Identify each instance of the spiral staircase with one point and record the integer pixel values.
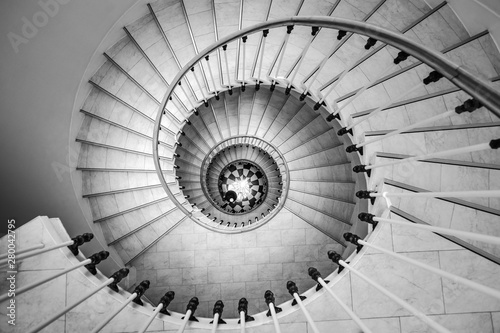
(153, 179)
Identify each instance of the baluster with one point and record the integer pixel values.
(243, 83)
(18, 252)
(493, 144)
(187, 96)
(372, 219)
(294, 291)
(417, 313)
(161, 308)
(216, 91)
(73, 245)
(273, 310)
(449, 194)
(218, 308)
(135, 297)
(301, 57)
(322, 64)
(93, 260)
(354, 239)
(363, 89)
(243, 309)
(205, 99)
(316, 276)
(433, 77)
(468, 106)
(284, 44)
(369, 43)
(115, 278)
(264, 34)
(401, 57)
(224, 48)
(189, 316)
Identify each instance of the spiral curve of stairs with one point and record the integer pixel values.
(146, 230)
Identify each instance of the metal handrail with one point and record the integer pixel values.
(457, 74)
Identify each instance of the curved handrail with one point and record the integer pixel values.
(207, 158)
(458, 75)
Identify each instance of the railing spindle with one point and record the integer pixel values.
(18, 252)
(370, 218)
(417, 313)
(54, 317)
(493, 144)
(468, 106)
(318, 70)
(363, 89)
(224, 48)
(468, 283)
(449, 194)
(161, 308)
(135, 297)
(294, 291)
(243, 309)
(216, 91)
(316, 276)
(93, 260)
(301, 59)
(370, 42)
(273, 310)
(205, 98)
(218, 308)
(244, 39)
(434, 76)
(284, 44)
(264, 35)
(189, 316)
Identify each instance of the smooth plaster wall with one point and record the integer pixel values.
(38, 91)
(478, 15)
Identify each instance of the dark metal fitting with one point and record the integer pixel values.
(341, 34)
(468, 106)
(370, 42)
(166, 300)
(192, 305)
(353, 148)
(402, 56)
(344, 131)
(362, 168)
(140, 290)
(434, 76)
(334, 256)
(352, 238)
(243, 306)
(117, 277)
(367, 217)
(332, 116)
(96, 259)
(79, 241)
(495, 144)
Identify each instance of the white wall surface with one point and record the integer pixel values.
(478, 15)
(39, 81)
